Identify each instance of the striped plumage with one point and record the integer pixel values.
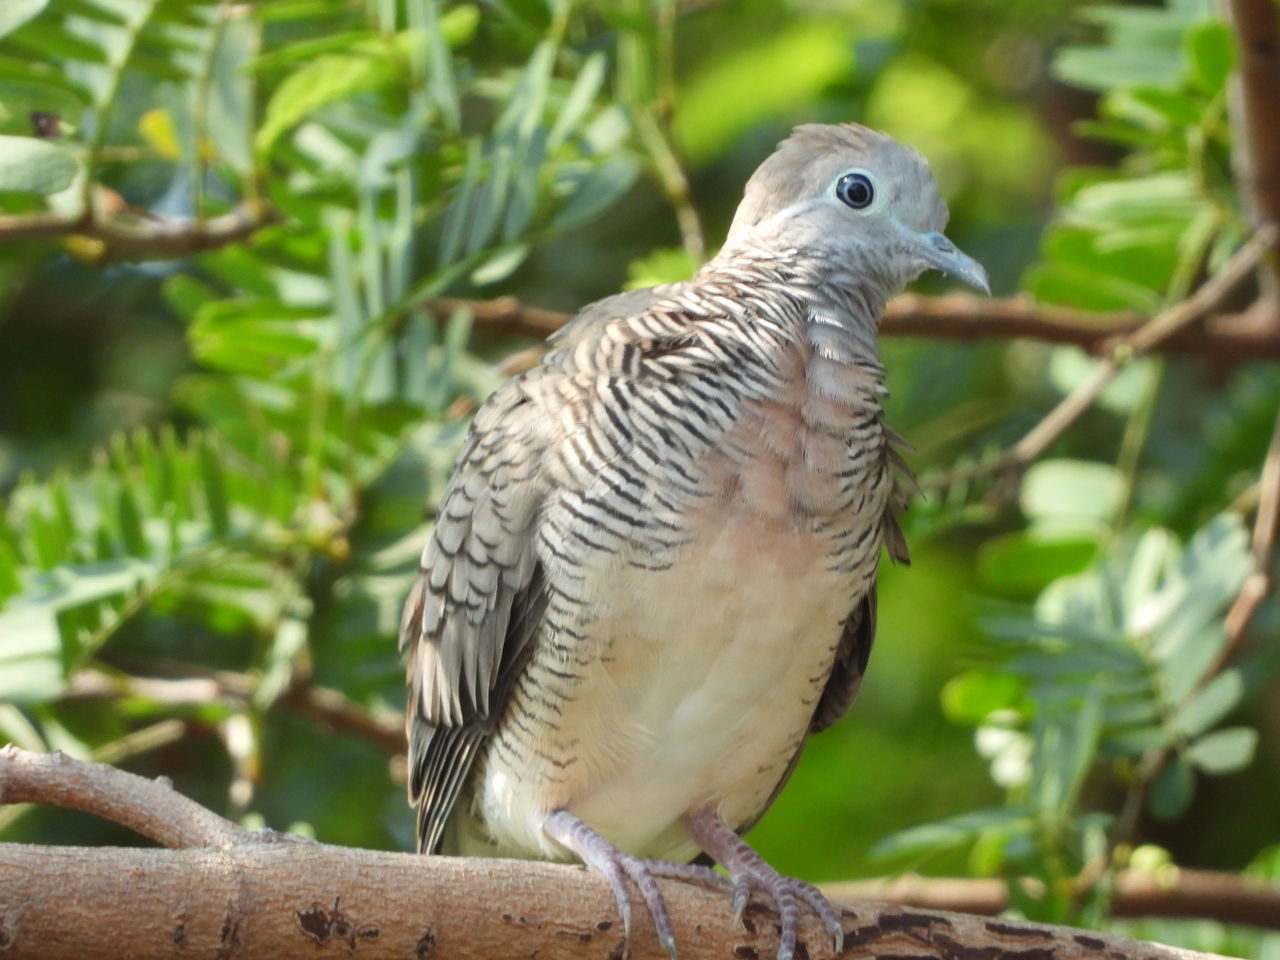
(653, 572)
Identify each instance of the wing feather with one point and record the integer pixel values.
(481, 596)
(469, 618)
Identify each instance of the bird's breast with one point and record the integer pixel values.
(689, 680)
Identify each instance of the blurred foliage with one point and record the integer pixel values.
(228, 461)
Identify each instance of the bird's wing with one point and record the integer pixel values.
(856, 637)
(859, 630)
(482, 595)
(479, 599)
(595, 316)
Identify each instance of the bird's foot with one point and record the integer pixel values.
(749, 870)
(601, 855)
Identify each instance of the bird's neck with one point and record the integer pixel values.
(833, 307)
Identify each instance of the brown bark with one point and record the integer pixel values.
(299, 899)
(194, 685)
(1258, 35)
(228, 893)
(151, 808)
(1226, 337)
(140, 239)
(1170, 892)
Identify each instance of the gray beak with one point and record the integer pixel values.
(942, 254)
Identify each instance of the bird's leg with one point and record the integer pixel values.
(748, 869)
(601, 855)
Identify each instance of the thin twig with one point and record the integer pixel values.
(1258, 583)
(1124, 350)
(197, 686)
(144, 239)
(653, 122)
(1229, 337)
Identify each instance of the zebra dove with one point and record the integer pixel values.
(653, 574)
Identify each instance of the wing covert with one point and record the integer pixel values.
(468, 621)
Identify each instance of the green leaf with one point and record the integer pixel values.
(500, 264)
(70, 587)
(28, 165)
(591, 193)
(1137, 742)
(1072, 491)
(950, 832)
(1211, 55)
(1224, 751)
(1215, 701)
(215, 490)
(1069, 367)
(322, 81)
(1170, 109)
(579, 101)
(30, 654)
(664, 265)
(1104, 68)
(15, 728)
(1141, 201)
(14, 13)
(972, 697)
(10, 584)
(1173, 789)
(1066, 734)
(51, 41)
(732, 92)
(130, 521)
(1075, 285)
(20, 98)
(1021, 564)
(289, 640)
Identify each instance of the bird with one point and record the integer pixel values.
(652, 574)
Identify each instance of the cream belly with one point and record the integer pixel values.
(695, 692)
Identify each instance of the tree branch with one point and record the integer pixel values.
(283, 900)
(149, 807)
(1178, 893)
(1226, 337)
(1145, 339)
(194, 686)
(1258, 38)
(154, 239)
(1265, 530)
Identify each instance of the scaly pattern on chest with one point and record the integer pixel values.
(700, 565)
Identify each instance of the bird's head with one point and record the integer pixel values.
(859, 199)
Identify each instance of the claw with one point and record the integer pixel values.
(741, 895)
(746, 867)
(599, 854)
(749, 870)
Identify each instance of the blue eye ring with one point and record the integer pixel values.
(856, 190)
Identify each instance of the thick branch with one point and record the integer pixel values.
(154, 239)
(1175, 892)
(289, 900)
(252, 898)
(149, 807)
(1227, 337)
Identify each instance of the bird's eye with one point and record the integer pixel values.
(855, 189)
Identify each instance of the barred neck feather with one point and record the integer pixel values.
(841, 301)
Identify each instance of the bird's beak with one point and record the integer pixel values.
(941, 253)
